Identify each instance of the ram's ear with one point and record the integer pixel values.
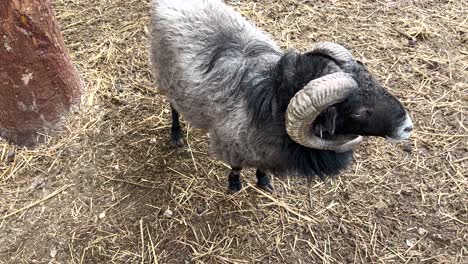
(330, 120)
(327, 120)
(286, 67)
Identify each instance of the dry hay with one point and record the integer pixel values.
(111, 189)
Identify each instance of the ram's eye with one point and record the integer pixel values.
(362, 113)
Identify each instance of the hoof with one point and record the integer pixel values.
(234, 187)
(177, 141)
(264, 184)
(267, 187)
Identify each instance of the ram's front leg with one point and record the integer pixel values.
(235, 183)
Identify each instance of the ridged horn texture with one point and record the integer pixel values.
(308, 103)
(339, 53)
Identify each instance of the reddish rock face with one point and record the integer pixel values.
(38, 82)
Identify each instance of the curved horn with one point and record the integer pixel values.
(308, 103)
(334, 50)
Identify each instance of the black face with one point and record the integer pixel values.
(369, 111)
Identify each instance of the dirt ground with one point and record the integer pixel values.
(110, 188)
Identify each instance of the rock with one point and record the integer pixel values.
(168, 213)
(10, 157)
(37, 183)
(422, 231)
(53, 252)
(102, 215)
(200, 210)
(410, 242)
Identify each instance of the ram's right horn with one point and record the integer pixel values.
(337, 52)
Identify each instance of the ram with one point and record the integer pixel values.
(285, 113)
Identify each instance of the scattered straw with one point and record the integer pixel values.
(281, 204)
(56, 192)
(122, 175)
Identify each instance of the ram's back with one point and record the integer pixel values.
(202, 50)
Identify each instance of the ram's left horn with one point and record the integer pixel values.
(308, 103)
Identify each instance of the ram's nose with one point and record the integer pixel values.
(408, 129)
(404, 131)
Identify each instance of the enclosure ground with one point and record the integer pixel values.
(110, 188)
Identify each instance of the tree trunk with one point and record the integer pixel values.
(38, 83)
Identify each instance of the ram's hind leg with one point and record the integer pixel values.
(176, 131)
(263, 182)
(235, 183)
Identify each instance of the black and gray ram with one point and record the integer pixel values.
(287, 113)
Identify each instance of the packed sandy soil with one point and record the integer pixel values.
(110, 188)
